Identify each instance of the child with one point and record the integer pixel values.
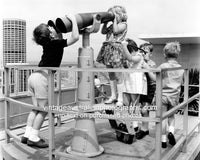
(135, 84)
(53, 47)
(97, 86)
(146, 100)
(111, 51)
(171, 81)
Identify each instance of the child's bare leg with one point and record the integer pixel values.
(39, 119)
(145, 113)
(30, 120)
(171, 123)
(164, 128)
(125, 112)
(126, 101)
(112, 88)
(134, 100)
(120, 86)
(144, 129)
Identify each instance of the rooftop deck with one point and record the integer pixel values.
(140, 150)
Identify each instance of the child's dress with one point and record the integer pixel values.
(111, 52)
(136, 82)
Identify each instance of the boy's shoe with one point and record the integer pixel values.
(128, 138)
(164, 144)
(141, 134)
(136, 129)
(24, 140)
(40, 144)
(171, 138)
(112, 122)
(110, 101)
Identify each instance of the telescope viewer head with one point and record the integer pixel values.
(64, 25)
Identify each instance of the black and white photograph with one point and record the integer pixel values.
(99, 80)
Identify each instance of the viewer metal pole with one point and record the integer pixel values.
(84, 142)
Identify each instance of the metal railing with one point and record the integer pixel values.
(181, 143)
(18, 78)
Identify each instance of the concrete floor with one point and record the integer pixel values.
(113, 149)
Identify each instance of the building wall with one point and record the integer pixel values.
(1, 82)
(1, 45)
(14, 41)
(189, 57)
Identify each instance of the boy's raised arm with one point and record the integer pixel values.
(75, 32)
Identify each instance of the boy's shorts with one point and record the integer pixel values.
(38, 85)
(170, 102)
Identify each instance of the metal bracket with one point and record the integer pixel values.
(95, 26)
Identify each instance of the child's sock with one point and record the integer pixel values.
(113, 89)
(135, 124)
(120, 92)
(164, 141)
(28, 131)
(34, 135)
(164, 138)
(171, 129)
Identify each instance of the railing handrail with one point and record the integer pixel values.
(33, 64)
(82, 69)
(95, 69)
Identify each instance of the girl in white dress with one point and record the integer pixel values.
(135, 83)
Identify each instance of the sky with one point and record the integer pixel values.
(145, 18)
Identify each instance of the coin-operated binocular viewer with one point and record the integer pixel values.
(84, 20)
(84, 142)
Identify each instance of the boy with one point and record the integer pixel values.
(146, 100)
(53, 47)
(171, 81)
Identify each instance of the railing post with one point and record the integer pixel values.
(7, 104)
(51, 115)
(76, 85)
(185, 116)
(158, 115)
(59, 96)
(16, 80)
(10, 80)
